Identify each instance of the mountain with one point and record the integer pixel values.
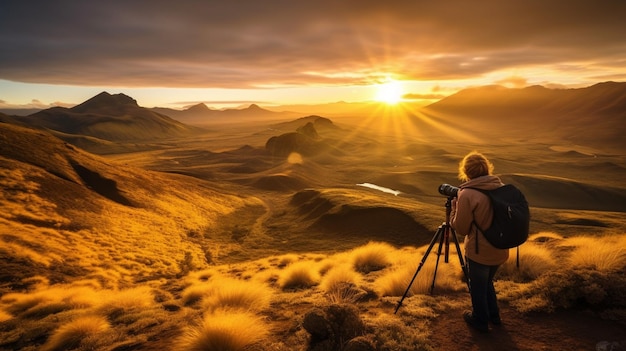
(592, 116)
(109, 117)
(200, 114)
(19, 111)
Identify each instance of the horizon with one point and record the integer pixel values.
(229, 56)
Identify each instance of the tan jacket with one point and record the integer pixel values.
(472, 205)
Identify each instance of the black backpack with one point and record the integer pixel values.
(511, 217)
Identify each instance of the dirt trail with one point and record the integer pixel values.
(570, 330)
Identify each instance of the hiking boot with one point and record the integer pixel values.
(472, 322)
(496, 320)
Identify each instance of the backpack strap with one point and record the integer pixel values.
(478, 229)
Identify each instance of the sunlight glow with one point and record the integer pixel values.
(390, 92)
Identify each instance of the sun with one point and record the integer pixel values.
(390, 92)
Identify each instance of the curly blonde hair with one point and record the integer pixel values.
(474, 165)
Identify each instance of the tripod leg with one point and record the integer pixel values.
(461, 260)
(441, 241)
(438, 234)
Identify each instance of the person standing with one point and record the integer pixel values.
(470, 209)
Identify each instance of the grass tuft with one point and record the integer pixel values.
(83, 330)
(372, 257)
(605, 254)
(225, 330)
(299, 275)
(238, 294)
(341, 285)
(395, 282)
(535, 260)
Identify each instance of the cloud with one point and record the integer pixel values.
(251, 43)
(33, 104)
(513, 82)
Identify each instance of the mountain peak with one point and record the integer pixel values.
(105, 100)
(198, 107)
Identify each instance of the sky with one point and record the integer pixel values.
(276, 52)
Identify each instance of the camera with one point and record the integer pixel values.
(448, 190)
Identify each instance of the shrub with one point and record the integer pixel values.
(225, 330)
(80, 331)
(333, 326)
(298, 276)
(574, 287)
(372, 257)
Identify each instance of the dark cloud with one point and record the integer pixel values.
(249, 43)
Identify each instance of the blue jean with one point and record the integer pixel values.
(484, 301)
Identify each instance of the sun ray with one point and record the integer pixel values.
(389, 92)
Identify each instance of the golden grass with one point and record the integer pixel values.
(606, 254)
(286, 259)
(339, 275)
(544, 236)
(195, 293)
(20, 200)
(219, 292)
(83, 330)
(534, 259)
(235, 294)
(396, 281)
(299, 275)
(225, 330)
(373, 256)
(341, 284)
(118, 303)
(394, 334)
(5, 316)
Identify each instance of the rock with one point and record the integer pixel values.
(360, 343)
(610, 346)
(316, 324)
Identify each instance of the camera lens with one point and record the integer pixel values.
(448, 190)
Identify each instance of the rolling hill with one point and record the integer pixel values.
(59, 201)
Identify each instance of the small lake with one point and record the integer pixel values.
(380, 188)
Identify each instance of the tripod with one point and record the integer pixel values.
(442, 235)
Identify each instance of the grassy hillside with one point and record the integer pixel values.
(70, 214)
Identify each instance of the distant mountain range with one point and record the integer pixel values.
(200, 114)
(594, 115)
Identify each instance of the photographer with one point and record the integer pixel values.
(472, 208)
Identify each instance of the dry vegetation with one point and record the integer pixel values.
(264, 302)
